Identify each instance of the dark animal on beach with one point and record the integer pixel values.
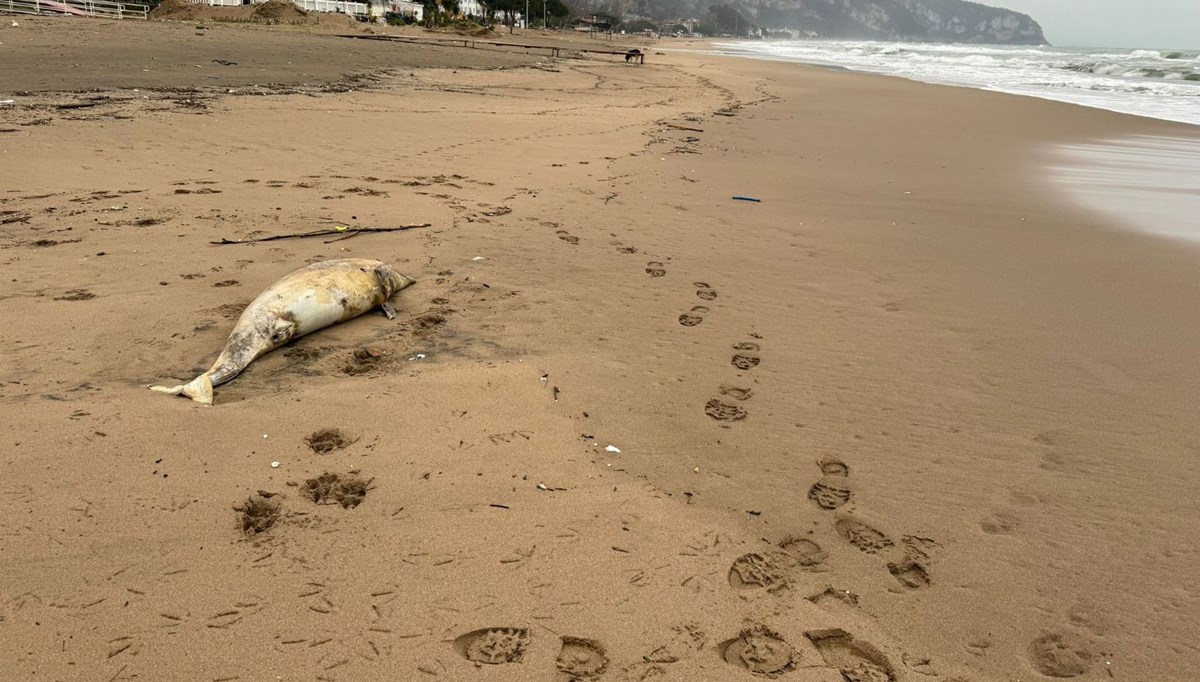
(633, 54)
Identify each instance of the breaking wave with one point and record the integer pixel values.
(1161, 84)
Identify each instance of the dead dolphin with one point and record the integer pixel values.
(308, 299)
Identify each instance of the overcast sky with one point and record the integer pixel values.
(1114, 23)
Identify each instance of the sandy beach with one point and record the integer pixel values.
(913, 415)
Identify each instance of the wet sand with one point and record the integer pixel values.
(912, 416)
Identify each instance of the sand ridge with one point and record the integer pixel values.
(825, 463)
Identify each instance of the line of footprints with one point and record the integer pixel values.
(833, 491)
(696, 315)
(776, 568)
(744, 359)
(756, 648)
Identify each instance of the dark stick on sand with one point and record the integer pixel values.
(322, 233)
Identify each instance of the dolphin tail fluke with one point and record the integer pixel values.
(199, 389)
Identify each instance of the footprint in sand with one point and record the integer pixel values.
(567, 237)
(806, 554)
(834, 598)
(693, 318)
(686, 641)
(761, 651)
(1060, 654)
(919, 548)
(76, 295)
(326, 441)
(910, 573)
(704, 291)
(581, 659)
(909, 570)
(726, 412)
(863, 537)
(834, 489)
(346, 490)
(735, 392)
(756, 570)
(655, 269)
(857, 660)
(747, 356)
(771, 569)
(493, 646)
(259, 512)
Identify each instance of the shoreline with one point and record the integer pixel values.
(963, 78)
(1086, 167)
(1137, 179)
(912, 413)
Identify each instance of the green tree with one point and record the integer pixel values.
(552, 11)
(558, 10)
(722, 19)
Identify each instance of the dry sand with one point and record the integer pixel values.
(912, 417)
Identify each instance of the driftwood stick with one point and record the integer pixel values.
(343, 237)
(322, 233)
(679, 127)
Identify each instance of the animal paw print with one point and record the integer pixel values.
(834, 489)
(693, 318)
(655, 269)
(704, 291)
(567, 237)
(747, 356)
(1061, 654)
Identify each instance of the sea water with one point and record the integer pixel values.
(1155, 83)
(1148, 183)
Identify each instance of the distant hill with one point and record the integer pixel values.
(894, 20)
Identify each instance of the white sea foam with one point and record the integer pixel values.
(1148, 183)
(1161, 84)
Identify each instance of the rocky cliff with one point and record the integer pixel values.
(904, 20)
(893, 20)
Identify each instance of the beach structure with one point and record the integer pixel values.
(472, 8)
(357, 9)
(110, 9)
(595, 23)
(413, 11)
